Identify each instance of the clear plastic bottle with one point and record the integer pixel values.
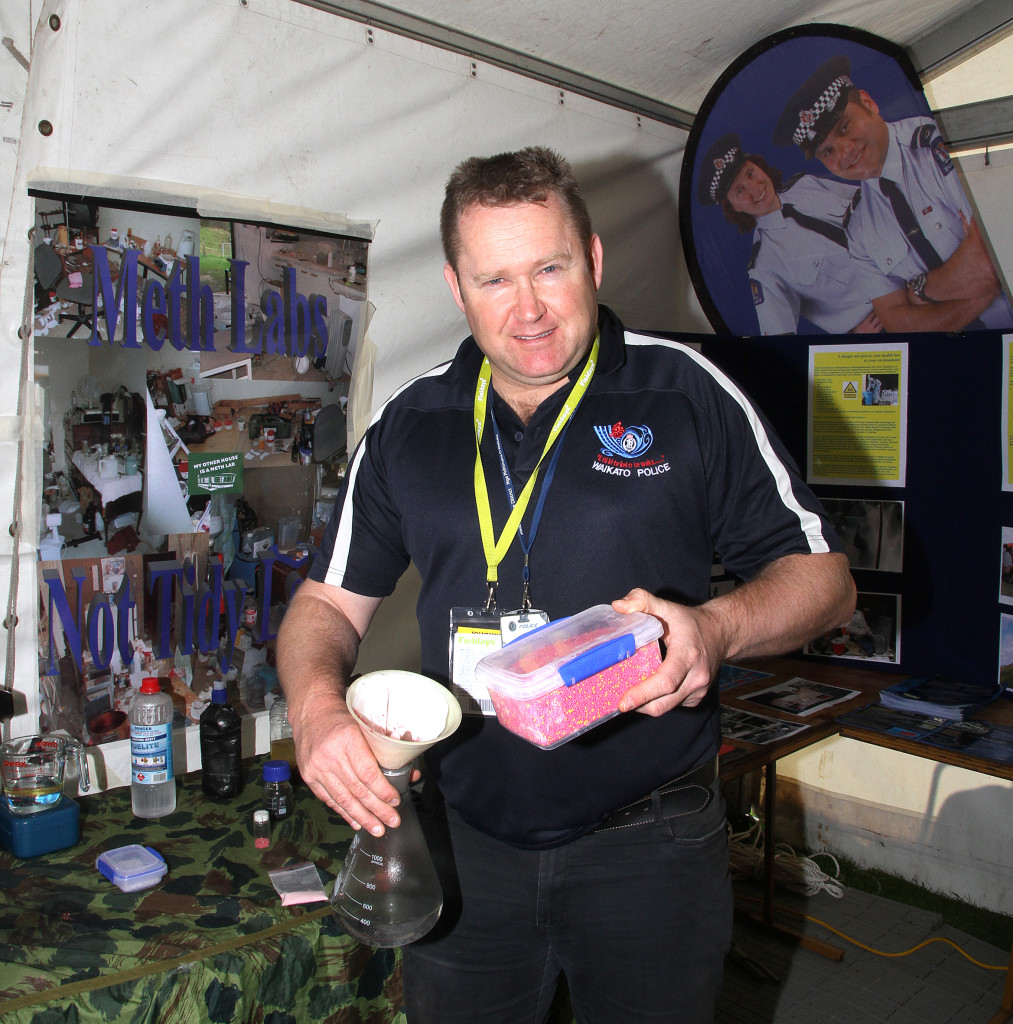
(221, 744)
(282, 743)
(152, 783)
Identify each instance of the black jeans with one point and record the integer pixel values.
(639, 920)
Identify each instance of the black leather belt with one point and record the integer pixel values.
(688, 794)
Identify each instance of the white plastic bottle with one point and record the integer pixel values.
(152, 783)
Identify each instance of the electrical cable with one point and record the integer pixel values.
(803, 875)
(800, 874)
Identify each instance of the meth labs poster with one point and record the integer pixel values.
(785, 216)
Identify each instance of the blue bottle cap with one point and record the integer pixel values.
(219, 695)
(277, 771)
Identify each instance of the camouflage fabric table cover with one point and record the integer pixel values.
(211, 942)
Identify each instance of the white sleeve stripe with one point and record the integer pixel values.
(338, 563)
(809, 521)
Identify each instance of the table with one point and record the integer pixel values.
(211, 942)
(749, 757)
(238, 441)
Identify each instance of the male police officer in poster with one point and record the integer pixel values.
(909, 217)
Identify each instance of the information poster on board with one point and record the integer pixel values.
(857, 414)
(1007, 419)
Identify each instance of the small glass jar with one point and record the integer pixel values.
(261, 830)
(277, 789)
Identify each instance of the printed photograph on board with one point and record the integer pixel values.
(818, 197)
(872, 531)
(873, 634)
(1006, 566)
(194, 376)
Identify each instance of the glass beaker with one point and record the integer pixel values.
(387, 892)
(33, 771)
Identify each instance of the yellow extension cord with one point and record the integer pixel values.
(803, 875)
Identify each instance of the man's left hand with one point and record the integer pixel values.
(695, 649)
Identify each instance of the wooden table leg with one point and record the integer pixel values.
(769, 805)
(769, 842)
(1006, 1013)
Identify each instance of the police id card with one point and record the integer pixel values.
(474, 633)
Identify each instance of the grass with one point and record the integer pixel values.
(215, 252)
(986, 925)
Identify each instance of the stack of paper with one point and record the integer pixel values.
(938, 696)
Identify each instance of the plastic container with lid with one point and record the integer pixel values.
(554, 683)
(132, 867)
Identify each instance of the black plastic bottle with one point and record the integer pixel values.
(221, 747)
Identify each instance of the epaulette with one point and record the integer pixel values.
(794, 179)
(924, 136)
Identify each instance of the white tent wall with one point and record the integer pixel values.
(285, 104)
(291, 106)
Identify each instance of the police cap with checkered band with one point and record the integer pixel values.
(718, 169)
(815, 107)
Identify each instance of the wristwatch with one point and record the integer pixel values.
(917, 288)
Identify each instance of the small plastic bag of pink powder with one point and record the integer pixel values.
(298, 883)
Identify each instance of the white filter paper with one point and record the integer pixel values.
(400, 709)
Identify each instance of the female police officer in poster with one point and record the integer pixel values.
(799, 264)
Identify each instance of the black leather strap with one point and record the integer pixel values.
(688, 794)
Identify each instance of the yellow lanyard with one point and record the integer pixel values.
(496, 550)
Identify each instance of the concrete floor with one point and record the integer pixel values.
(935, 985)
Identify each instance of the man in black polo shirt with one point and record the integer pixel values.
(604, 859)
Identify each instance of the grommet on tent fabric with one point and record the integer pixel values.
(54, 22)
(46, 128)
(7, 622)
(12, 529)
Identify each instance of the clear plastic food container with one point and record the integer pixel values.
(557, 682)
(132, 867)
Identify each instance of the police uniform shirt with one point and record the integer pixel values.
(919, 164)
(801, 266)
(664, 463)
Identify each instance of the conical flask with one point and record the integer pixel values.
(387, 892)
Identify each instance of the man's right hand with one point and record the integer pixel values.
(317, 646)
(336, 762)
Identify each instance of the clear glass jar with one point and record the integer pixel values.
(261, 829)
(277, 789)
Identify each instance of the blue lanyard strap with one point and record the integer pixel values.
(527, 539)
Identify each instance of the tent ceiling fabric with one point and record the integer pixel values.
(672, 53)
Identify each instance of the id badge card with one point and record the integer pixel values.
(514, 625)
(474, 633)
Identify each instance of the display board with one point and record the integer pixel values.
(946, 578)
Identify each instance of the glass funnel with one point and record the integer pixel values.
(387, 892)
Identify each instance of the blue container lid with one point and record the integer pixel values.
(132, 867)
(277, 771)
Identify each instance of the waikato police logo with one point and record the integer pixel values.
(624, 442)
(623, 452)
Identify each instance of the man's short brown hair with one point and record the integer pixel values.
(530, 175)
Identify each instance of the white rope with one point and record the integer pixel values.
(800, 874)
